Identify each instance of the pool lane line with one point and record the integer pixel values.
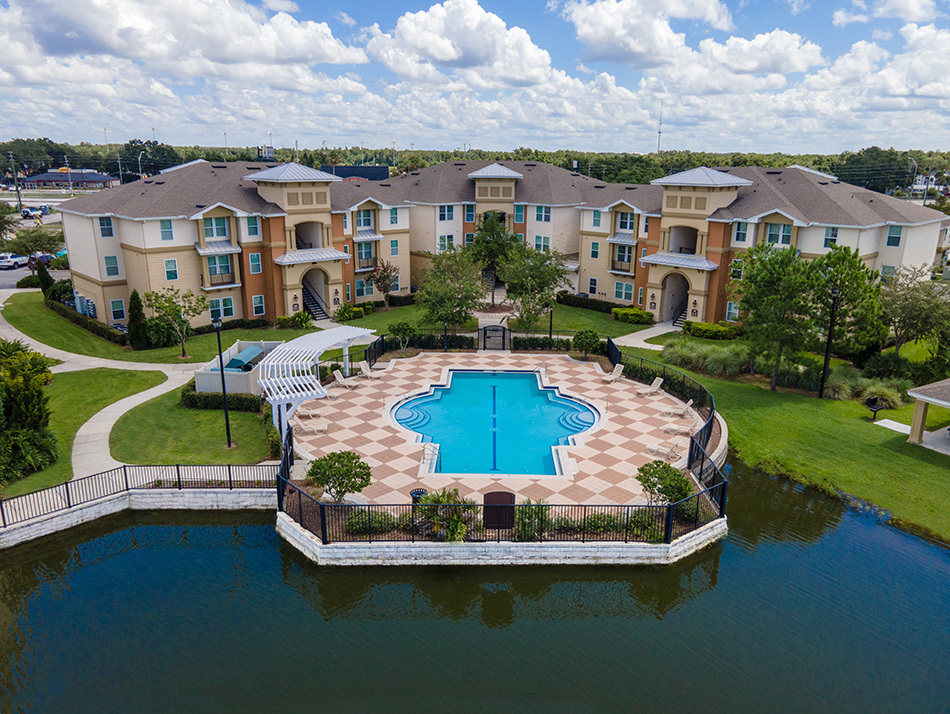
(494, 429)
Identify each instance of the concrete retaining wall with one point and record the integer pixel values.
(210, 499)
(505, 553)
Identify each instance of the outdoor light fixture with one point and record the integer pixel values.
(695, 303)
(216, 323)
(653, 296)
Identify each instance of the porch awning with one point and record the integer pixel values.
(937, 393)
(366, 236)
(311, 256)
(622, 238)
(680, 260)
(217, 247)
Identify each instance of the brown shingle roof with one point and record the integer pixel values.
(938, 391)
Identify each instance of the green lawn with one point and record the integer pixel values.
(833, 444)
(380, 320)
(937, 417)
(917, 351)
(74, 398)
(26, 312)
(668, 337)
(161, 431)
(568, 318)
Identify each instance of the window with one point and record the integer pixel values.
(542, 243)
(393, 216)
(623, 291)
(221, 308)
(347, 292)
(888, 271)
(117, 308)
(364, 250)
(171, 269)
(396, 283)
(255, 260)
(364, 218)
(831, 236)
(732, 311)
(592, 286)
(394, 247)
(112, 265)
(626, 221)
(446, 213)
(364, 288)
(780, 233)
(346, 221)
(643, 253)
(257, 305)
(165, 227)
(253, 227)
(595, 219)
(216, 227)
(469, 238)
(736, 271)
(219, 264)
(469, 213)
(520, 236)
(594, 250)
(105, 228)
(646, 225)
(894, 236)
(519, 214)
(742, 232)
(446, 242)
(624, 253)
(543, 214)
(639, 296)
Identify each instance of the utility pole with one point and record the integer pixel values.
(296, 152)
(69, 176)
(140, 164)
(412, 147)
(153, 136)
(394, 153)
(16, 183)
(659, 128)
(120, 168)
(226, 152)
(106, 135)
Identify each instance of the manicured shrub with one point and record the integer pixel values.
(214, 400)
(403, 332)
(887, 396)
(544, 344)
(46, 280)
(664, 483)
(138, 333)
(367, 308)
(160, 333)
(286, 322)
(339, 473)
(347, 312)
(241, 323)
(726, 361)
(274, 444)
(887, 364)
(400, 300)
(709, 331)
(28, 281)
(60, 291)
(87, 323)
(586, 341)
(634, 315)
(566, 298)
(532, 519)
(447, 516)
(60, 262)
(363, 521)
(433, 341)
(600, 524)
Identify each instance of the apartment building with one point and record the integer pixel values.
(263, 240)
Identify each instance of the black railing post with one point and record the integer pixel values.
(300, 508)
(68, 498)
(626, 524)
(125, 474)
(668, 533)
(3, 515)
(323, 524)
(369, 522)
(723, 488)
(230, 481)
(178, 473)
(584, 529)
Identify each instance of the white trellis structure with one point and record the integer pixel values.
(290, 375)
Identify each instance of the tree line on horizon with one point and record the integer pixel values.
(878, 169)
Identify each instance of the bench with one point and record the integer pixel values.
(873, 403)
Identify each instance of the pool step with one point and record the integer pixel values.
(576, 420)
(412, 418)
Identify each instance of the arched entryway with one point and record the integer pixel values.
(683, 239)
(675, 295)
(315, 293)
(309, 235)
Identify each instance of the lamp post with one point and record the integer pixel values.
(216, 322)
(835, 293)
(551, 321)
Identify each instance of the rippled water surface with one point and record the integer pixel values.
(807, 606)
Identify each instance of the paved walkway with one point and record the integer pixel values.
(638, 339)
(938, 440)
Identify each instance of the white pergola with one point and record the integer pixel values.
(290, 376)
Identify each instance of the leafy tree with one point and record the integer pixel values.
(451, 289)
(138, 334)
(586, 341)
(664, 483)
(34, 240)
(9, 220)
(532, 277)
(403, 331)
(492, 244)
(858, 318)
(339, 473)
(175, 308)
(384, 279)
(46, 280)
(776, 294)
(915, 307)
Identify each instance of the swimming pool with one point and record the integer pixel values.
(495, 422)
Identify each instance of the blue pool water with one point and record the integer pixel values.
(495, 422)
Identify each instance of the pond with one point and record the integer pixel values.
(808, 605)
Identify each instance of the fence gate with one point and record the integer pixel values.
(494, 337)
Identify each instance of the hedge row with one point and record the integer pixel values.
(566, 298)
(29, 281)
(543, 344)
(88, 323)
(238, 324)
(433, 342)
(710, 331)
(634, 315)
(213, 400)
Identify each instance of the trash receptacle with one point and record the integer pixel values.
(417, 494)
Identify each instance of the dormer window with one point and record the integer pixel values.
(595, 219)
(216, 227)
(627, 221)
(364, 218)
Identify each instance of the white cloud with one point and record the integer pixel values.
(906, 10)
(345, 19)
(281, 5)
(798, 6)
(881, 35)
(775, 52)
(841, 17)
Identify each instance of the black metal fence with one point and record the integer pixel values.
(128, 478)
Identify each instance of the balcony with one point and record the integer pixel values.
(621, 266)
(221, 279)
(366, 264)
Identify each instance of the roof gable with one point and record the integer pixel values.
(495, 171)
(291, 173)
(701, 176)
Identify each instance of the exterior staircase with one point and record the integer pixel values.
(680, 319)
(311, 305)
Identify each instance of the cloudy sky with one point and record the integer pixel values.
(749, 75)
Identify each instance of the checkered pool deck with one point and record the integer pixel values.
(607, 457)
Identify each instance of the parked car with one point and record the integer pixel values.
(31, 213)
(8, 261)
(43, 258)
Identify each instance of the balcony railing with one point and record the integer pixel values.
(366, 263)
(221, 279)
(625, 266)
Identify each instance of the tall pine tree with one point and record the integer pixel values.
(138, 335)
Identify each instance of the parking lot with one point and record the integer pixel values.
(8, 278)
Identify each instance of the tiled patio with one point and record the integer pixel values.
(607, 457)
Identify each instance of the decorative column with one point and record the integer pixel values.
(919, 422)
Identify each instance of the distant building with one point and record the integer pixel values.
(370, 173)
(78, 178)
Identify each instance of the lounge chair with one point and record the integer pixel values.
(343, 381)
(311, 427)
(678, 412)
(312, 413)
(681, 429)
(652, 389)
(616, 374)
(667, 451)
(367, 372)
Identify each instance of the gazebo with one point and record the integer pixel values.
(290, 374)
(937, 393)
